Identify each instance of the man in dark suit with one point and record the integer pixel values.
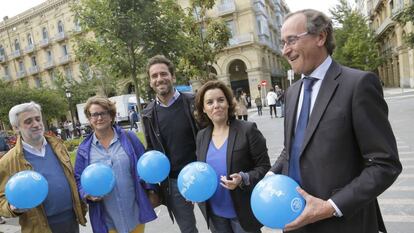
(339, 145)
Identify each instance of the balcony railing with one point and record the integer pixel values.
(397, 10)
(6, 77)
(29, 48)
(15, 53)
(49, 65)
(240, 39)
(260, 8)
(60, 36)
(21, 73)
(226, 8)
(264, 39)
(43, 43)
(77, 29)
(33, 70)
(64, 59)
(384, 26)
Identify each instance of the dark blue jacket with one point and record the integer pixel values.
(134, 151)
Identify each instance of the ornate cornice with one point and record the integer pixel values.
(31, 13)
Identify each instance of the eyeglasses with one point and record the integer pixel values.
(291, 40)
(96, 115)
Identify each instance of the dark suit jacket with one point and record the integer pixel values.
(349, 152)
(246, 152)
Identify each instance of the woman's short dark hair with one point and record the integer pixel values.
(199, 114)
(317, 22)
(104, 102)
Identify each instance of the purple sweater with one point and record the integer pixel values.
(134, 151)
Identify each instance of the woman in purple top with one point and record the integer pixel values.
(126, 208)
(237, 151)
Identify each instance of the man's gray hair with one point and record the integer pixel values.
(17, 109)
(316, 22)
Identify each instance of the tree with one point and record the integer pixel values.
(406, 16)
(53, 103)
(355, 43)
(206, 39)
(127, 32)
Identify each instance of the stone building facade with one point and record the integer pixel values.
(37, 44)
(398, 67)
(254, 53)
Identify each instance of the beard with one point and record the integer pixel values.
(164, 92)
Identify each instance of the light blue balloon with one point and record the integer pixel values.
(197, 181)
(98, 179)
(275, 201)
(26, 189)
(153, 167)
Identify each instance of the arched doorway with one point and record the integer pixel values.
(238, 76)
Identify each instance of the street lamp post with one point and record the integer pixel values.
(69, 96)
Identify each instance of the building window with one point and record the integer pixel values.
(64, 50)
(232, 28)
(262, 25)
(52, 76)
(44, 33)
(29, 39)
(34, 62)
(6, 73)
(38, 82)
(49, 55)
(60, 26)
(68, 73)
(21, 66)
(1, 50)
(16, 44)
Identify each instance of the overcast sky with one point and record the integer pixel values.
(14, 7)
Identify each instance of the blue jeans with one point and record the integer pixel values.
(227, 225)
(182, 210)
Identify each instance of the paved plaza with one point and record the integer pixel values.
(397, 203)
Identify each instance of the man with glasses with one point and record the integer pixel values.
(339, 145)
(62, 210)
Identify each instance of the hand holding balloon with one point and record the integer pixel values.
(153, 167)
(94, 199)
(315, 210)
(276, 202)
(97, 180)
(232, 183)
(26, 189)
(17, 210)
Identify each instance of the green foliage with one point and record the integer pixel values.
(53, 102)
(72, 144)
(355, 43)
(128, 32)
(406, 16)
(206, 39)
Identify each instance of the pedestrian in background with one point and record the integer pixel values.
(258, 102)
(280, 102)
(237, 152)
(339, 145)
(133, 119)
(126, 208)
(271, 98)
(62, 211)
(170, 128)
(241, 104)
